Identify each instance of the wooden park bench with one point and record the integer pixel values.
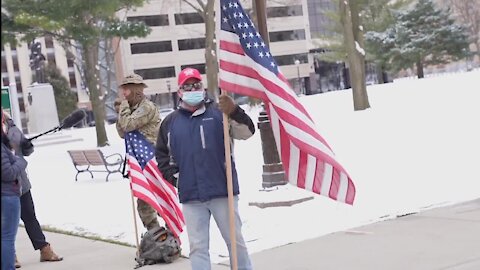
(84, 159)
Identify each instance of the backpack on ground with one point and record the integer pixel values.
(158, 245)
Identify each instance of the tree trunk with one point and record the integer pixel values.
(420, 74)
(357, 29)
(356, 59)
(379, 74)
(382, 75)
(98, 108)
(211, 49)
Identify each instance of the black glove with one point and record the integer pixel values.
(172, 180)
(26, 147)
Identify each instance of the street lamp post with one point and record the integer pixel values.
(273, 172)
(297, 63)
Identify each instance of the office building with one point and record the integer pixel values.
(177, 40)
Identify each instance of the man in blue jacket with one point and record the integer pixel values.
(191, 155)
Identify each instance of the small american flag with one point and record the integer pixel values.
(148, 184)
(248, 68)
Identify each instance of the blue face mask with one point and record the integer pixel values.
(193, 98)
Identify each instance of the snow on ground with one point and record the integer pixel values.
(417, 147)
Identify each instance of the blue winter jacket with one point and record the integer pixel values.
(23, 147)
(192, 144)
(12, 167)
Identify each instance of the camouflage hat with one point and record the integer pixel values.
(133, 79)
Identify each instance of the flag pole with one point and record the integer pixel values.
(134, 213)
(228, 157)
(231, 212)
(133, 201)
(135, 221)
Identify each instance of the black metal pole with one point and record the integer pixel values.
(55, 129)
(273, 173)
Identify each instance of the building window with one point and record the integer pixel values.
(4, 64)
(273, 12)
(155, 20)
(15, 63)
(151, 47)
(199, 67)
(284, 60)
(320, 22)
(70, 62)
(188, 18)
(6, 81)
(51, 58)
(71, 77)
(21, 103)
(287, 35)
(19, 86)
(191, 44)
(156, 73)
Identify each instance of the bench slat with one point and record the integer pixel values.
(78, 157)
(95, 157)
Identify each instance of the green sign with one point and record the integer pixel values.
(6, 100)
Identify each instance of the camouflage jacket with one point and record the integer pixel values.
(143, 117)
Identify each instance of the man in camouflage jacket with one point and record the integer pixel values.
(138, 113)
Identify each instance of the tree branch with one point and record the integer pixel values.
(201, 10)
(202, 5)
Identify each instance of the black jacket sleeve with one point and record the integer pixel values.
(239, 116)
(18, 140)
(165, 161)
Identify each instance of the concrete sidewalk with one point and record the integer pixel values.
(438, 239)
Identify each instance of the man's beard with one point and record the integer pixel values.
(135, 98)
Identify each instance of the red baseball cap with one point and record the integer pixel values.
(188, 73)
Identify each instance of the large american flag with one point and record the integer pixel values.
(148, 184)
(247, 67)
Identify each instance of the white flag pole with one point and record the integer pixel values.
(133, 206)
(231, 212)
(135, 221)
(228, 156)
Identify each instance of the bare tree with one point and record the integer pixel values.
(467, 12)
(353, 35)
(206, 9)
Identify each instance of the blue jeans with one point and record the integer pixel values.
(197, 217)
(10, 220)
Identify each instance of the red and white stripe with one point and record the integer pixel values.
(150, 186)
(307, 159)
